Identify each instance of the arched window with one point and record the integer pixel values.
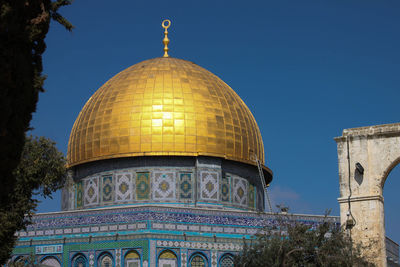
(105, 260)
(132, 259)
(167, 259)
(79, 261)
(50, 262)
(226, 261)
(198, 260)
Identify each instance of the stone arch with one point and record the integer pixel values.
(366, 156)
(388, 170)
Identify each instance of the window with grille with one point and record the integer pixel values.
(226, 261)
(80, 261)
(106, 261)
(198, 261)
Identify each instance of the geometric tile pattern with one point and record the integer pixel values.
(91, 196)
(163, 185)
(185, 186)
(209, 186)
(239, 191)
(225, 188)
(79, 195)
(213, 259)
(252, 196)
(183, 259)
(117, 257)
(107, 189)
(124, 189)
(160, 184)
(142, 186)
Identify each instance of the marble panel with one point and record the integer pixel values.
(209, 185)
(163, 185)
(239, 191)
(91, 186)
(124, 187)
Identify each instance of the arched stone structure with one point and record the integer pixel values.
(376, 151)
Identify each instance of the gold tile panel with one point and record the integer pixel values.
(164, 106)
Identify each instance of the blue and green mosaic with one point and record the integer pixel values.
(107, 189)
(79, 194)
(225, 189)
(185, 185)
(142, 186)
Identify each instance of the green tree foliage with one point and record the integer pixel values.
(299, 245)
(41, 171)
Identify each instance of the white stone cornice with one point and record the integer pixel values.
(360, 198)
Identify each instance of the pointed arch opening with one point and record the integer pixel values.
(132, 259)
(79, 261)
(198, 260)
(167, 258)
(105, 260)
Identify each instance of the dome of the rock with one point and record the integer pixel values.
(165, 107)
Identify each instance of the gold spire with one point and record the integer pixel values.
(165, 24)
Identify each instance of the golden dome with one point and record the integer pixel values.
(165, 106)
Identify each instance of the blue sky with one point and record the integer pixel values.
(306, 69)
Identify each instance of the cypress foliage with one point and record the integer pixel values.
(23, 28)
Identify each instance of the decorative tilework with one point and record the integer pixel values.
(136, 215)
(107, 191)
(91, 196)
(124, 189)
(213, 259)
(225, 189)
(118, 257)
(185, 185)
(163, 186)
(153, 258)
(209, 185)
(178, 186)
(79, 194)
(183, 258)
(239, 191)
(142, 186)
(251, 196)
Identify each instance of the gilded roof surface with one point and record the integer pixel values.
(164, 106)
